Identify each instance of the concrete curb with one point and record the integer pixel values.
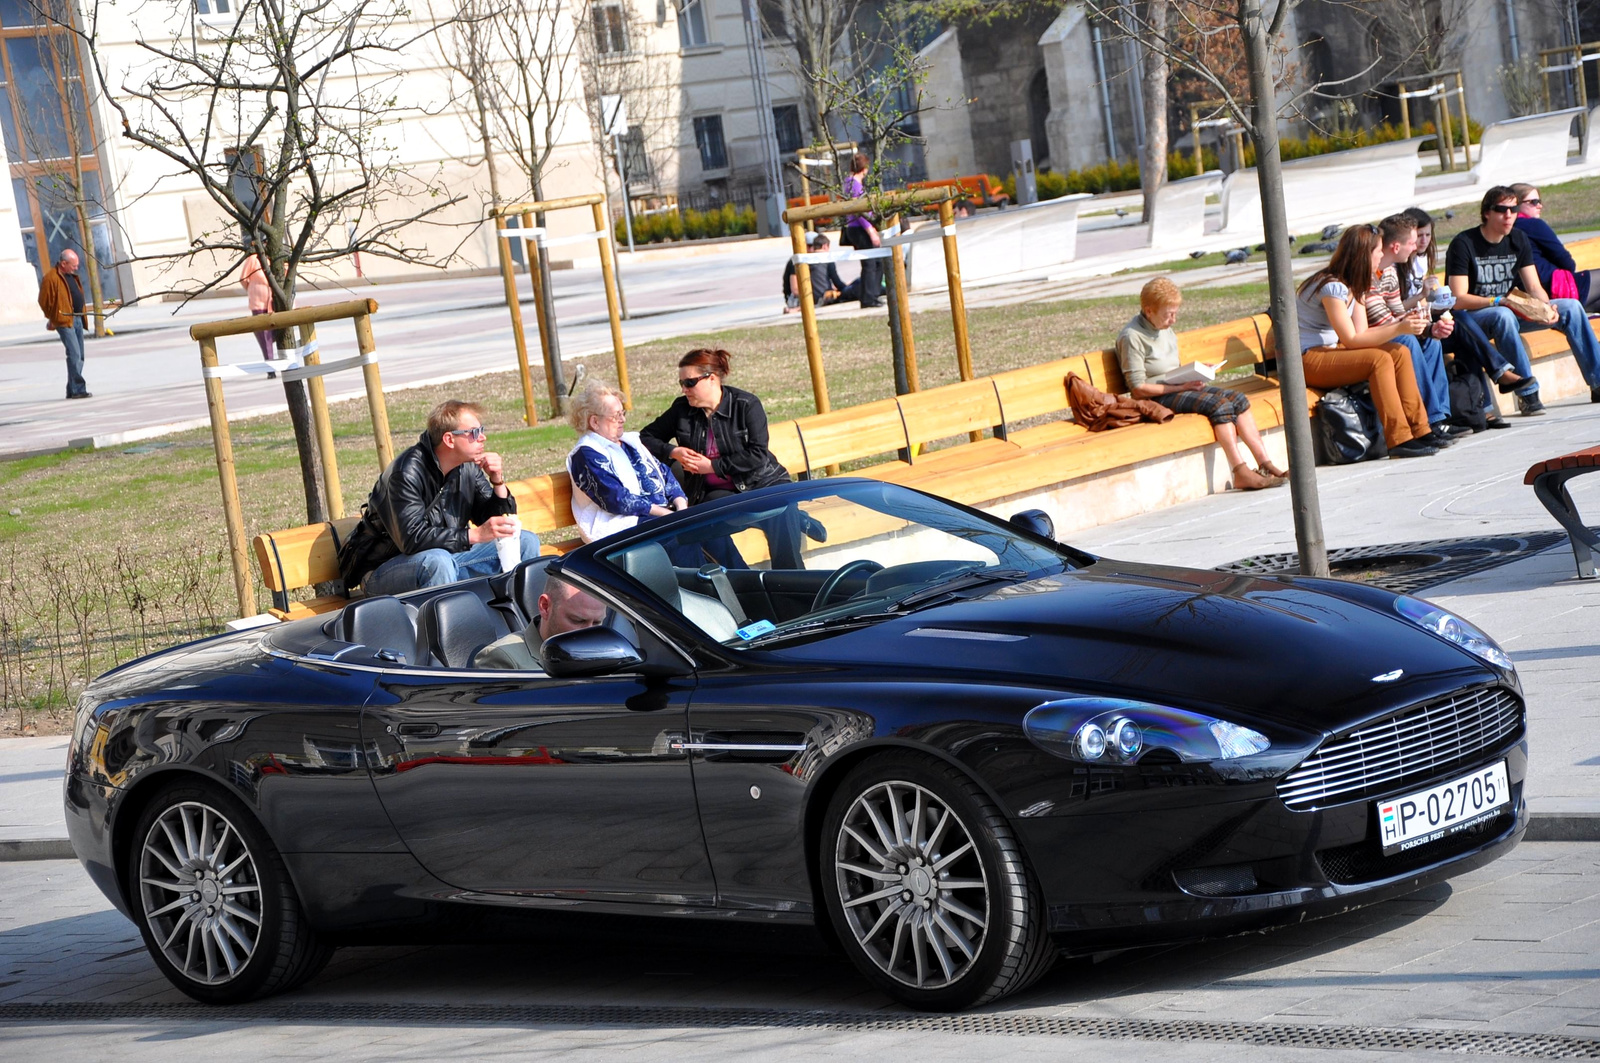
(1542, 827)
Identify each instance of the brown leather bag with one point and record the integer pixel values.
(1097, 411)
(1528, 308)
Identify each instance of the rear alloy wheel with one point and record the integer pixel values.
(927, 887)
(214, 902)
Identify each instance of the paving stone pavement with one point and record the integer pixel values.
(1512, 948)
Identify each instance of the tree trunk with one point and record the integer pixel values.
(1153, 157)
(1280, 284)
(91, 267)
(298, 395)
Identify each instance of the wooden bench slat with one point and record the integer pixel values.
(783, 440)
(1236, 343)
(951, 410)
(853, 433)
(1037, 390)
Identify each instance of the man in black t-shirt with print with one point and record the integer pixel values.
(1483, 265)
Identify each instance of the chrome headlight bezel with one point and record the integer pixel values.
(1074, 728)
(1453, 629)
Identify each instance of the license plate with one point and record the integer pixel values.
(1440, 811)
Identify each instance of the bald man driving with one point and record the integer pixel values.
(562, 607)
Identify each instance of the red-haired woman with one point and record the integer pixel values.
(717, 434)
(1339, 348)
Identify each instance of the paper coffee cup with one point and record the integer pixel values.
(510, 547)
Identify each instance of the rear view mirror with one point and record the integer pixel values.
(589, 651)
(1036, 521)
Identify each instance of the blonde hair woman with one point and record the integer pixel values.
(616, 482)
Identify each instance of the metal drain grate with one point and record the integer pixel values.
(1407, 567)
(1537, 1046)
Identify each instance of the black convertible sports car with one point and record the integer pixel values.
(956, 745)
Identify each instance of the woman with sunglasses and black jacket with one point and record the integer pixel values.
(715, 433)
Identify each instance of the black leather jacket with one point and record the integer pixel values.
(742, 454)
(415, 507)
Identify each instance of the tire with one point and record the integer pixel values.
(213, 899)
(927, 887)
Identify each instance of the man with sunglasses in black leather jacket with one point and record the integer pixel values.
(436, 512)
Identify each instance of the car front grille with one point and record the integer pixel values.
(1413, 744)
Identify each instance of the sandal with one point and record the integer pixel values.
(1266, 468)
(1247, 479)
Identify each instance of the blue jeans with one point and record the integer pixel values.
(432, 568)
(1427, 358)
(1501, 326)
(72, 340)
(1573, 323)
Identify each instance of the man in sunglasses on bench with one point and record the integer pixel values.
(436, 512)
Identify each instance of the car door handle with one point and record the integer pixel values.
(418, 730)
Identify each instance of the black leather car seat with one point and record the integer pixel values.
(380, 623)
(454, 626)
(527, 583)
(649, 564)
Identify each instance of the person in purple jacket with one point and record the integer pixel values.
(860, 233)
(1549, 254)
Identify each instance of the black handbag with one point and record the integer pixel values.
(1339, 430)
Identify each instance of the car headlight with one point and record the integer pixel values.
(1452, 628)
(1118, 731)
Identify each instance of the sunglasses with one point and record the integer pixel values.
(476, 432)
(1503, 208)
(692, 381)
(1534, 202)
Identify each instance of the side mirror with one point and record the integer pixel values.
(1036, 521)
(589, 651)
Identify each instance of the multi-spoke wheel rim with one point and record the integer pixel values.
(912, 885)
(200, 892)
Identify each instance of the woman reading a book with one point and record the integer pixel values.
(1148, 351)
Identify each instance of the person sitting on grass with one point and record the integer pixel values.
(435, 513)
(1339, 348)
(1483, 265)
(827, 286)
(562, 607)
(1385, 304)
(1148, 350)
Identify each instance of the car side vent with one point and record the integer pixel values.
(1217, 881)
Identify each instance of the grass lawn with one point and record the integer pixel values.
(109, 553)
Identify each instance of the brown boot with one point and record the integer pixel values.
(1247, 479)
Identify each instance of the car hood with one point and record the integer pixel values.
(1301, 655)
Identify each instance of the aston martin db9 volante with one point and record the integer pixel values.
(956, 746)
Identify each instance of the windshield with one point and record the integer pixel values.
(842, 555)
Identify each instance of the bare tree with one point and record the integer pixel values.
(820, 32)
(1155, 72)
(278, 116)
(875, 95)
(1421, 36)
(616, 61)
(57, 133)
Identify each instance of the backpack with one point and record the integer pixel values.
(1469, 397)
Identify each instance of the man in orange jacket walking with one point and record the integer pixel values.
(61, 299)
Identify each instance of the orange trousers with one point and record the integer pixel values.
(1388, 370)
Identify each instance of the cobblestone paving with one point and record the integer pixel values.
(1513, 948)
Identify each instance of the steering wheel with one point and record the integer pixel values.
(840, 574)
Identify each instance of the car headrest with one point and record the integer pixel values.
(380, 623)
(454, 626)
(650, 565)
(527, 583)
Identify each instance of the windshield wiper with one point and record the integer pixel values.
(971, 578)
(831, 623)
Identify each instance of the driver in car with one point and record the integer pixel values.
(562, 607)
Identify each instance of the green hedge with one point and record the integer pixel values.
(1118, 176)
(726, 220)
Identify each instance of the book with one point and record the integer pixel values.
(1193, 371)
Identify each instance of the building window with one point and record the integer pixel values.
(692, 24)
(786, 120)
(773, 22)
(635, 161)
(213, 10)
(610, 29)
(708, 137)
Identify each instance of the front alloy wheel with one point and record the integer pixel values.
(928, 888)
(213, 899)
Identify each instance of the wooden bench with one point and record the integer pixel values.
(296, 558)
(986, 190)
(1549, 482)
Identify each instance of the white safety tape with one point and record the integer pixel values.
(932, 232)
(1557, 69)
(1432, 90)
(598, 234)
(308, 371)
(532, 233)
(816, 258)
(815, 162)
